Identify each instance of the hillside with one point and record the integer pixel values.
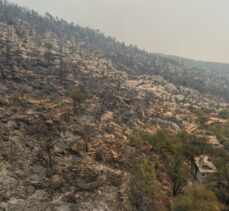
(88, 123)
(128, 58)
(214, 68)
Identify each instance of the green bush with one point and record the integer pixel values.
(145, 191)
(196, 198)
(224, 114)
(136, 138)
(178, 172)
(202, 117)
(221, 186)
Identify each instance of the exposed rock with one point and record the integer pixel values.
(56, 157)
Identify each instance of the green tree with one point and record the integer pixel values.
(136, 138)
(224, 114)
(178, 172)
(196, 198)
(145, 191)
(222, 184)
(202, 117)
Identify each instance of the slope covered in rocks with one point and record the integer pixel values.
(68, 109)
(128, 58)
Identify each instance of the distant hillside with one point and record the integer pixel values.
(216, 68)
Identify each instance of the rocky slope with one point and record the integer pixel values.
(59, 151)
(30, 26)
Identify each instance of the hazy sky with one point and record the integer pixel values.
(196, 29)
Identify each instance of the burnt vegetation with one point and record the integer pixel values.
(34, 27)
(87, 121)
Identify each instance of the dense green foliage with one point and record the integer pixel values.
(136, 138)
(196, 198)
(202, 117)
(145, 190)
(221, 187)
(222, 132)
(224, 114)
(175, 145)
(176, 152)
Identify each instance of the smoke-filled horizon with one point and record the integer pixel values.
(192, 29)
